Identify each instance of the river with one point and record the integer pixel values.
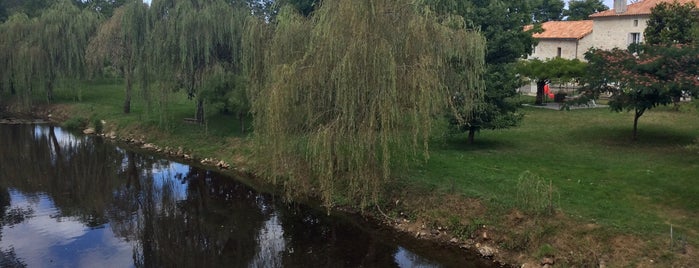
(75, 201)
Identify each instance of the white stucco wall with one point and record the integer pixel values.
(570, 48)
(611, 32)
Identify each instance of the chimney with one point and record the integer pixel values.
(619, 6)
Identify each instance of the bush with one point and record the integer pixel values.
(560, 97)
(535, 195)
(97, 124)
(75, 124)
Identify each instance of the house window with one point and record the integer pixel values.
(559, 52)
(634, 38)
(635, 23)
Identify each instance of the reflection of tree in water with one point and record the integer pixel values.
(326, 242)
(216, 225)
(8, 258)
(78, 175)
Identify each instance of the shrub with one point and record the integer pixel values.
(534, 194)
(75, 123)
(97, 124)
(560, 97)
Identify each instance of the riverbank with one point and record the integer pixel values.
(565, 187)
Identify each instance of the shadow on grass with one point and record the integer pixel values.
(460, 143)
(621, 136)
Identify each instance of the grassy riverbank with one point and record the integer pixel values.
(614, 200)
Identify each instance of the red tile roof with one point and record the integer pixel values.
(563, 29)
(640, 8)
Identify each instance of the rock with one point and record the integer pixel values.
(148, 146)
(454, 240)
(547, 260)
(486, 251)
(187, 157)
(89, 131)
(223, 165)
(179, 151)
(530, 265)
(546, 266)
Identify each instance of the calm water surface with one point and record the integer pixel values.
(68, 201)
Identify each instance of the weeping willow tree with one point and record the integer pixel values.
(193, 40)
(15, 48)
(61, 35)
(345, 96)
(120, 42)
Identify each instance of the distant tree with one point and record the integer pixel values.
(119, 42)
(33, 8)
(547, 10)
(582, 9)
(639, 82)
(40, 51)
(192, 39)
(62, 33)
(14, 57)
(305, 7)
(558, 69)
(671, 23)
(104, 7)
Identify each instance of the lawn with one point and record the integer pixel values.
(599, 175)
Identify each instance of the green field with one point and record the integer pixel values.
(598, 175)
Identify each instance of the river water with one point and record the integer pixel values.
(69, 201)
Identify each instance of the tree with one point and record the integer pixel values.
(61, 36)
(501, 23)
(640, 82)
(353, 91)
(191, 39)
(120, 42)
(581, 9)
(559, 70)
(547, 10)
(15, 73)
(671, 23)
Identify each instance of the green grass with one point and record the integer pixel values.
(600, 175)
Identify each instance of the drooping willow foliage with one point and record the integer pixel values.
(37, 52)
(15, 73)
(63, 32)
(345, 95)
(194, 40)
(120, 41)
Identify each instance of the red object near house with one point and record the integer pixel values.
(547, 91)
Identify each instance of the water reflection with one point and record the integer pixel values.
(70, 201)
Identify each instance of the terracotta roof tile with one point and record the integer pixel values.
(563, 29)
(640, 8)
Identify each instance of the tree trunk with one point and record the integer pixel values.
(127, 100)
(637, 115)
(199, 116)
(471, 134)
(49, 91)
(241, 118)
(540, 91)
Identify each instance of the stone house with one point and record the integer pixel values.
(618, 27)
(614, 28)
(624, 24)
(566, 39)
